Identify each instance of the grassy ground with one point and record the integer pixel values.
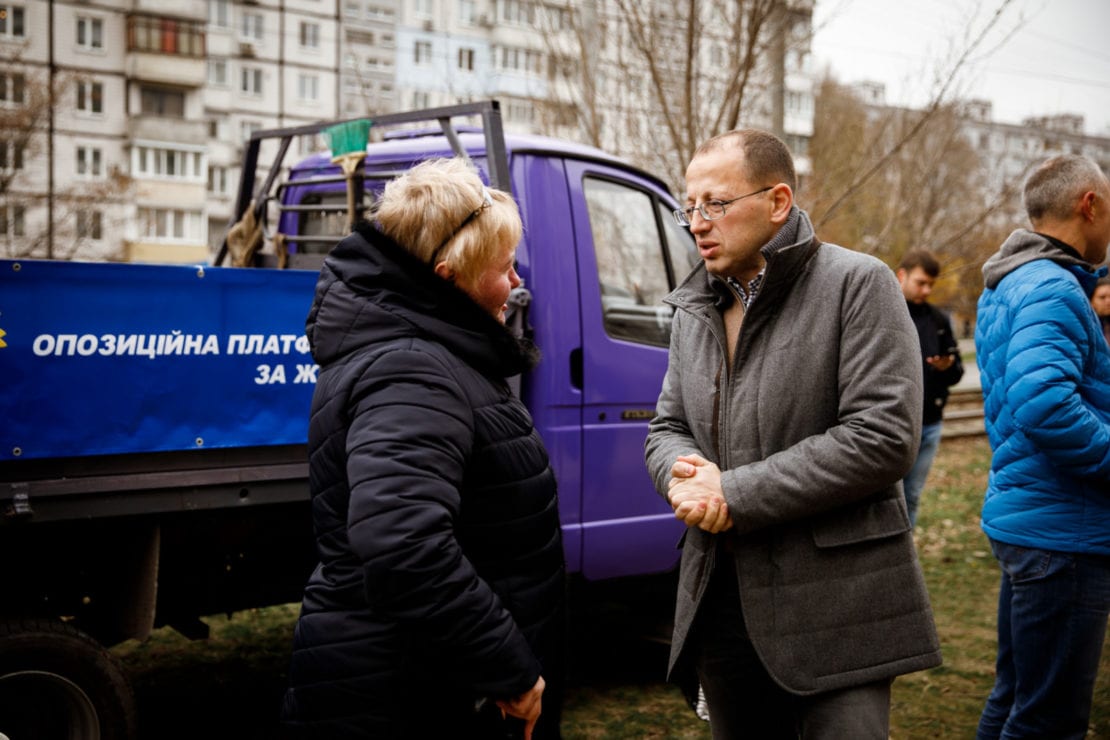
(616, 688)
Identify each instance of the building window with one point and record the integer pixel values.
(12, 85)
(798, 103)
(310, 35)
(466, 59)
(422, 52)
(219, 14)
(519, 111)
(517, 11)
(89, 225)
(89, 162)
(11, 21)
(12, 221)
(421, 100)
(165, 36)
(171, 225)
(558, 19)
(798, 145)
(11, 155)
(247, 129)
(517, 59)
(90, 33)
(423, 7)
(468, 12)
(217, 180)
(217, 72)
(310, 144)
(358, 36)
(168, 164)
(90, 97)
(352, 8)
(250, 80)
(160, 101)
(308, 87)
(252, 27)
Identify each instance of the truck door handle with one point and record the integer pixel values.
(576, 368)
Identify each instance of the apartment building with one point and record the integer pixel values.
(124, 120)
(270, 64)
(135, 112)
(1009, 151)
(595, 70)
(368, 68)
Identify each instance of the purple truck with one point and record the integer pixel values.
(152, 455)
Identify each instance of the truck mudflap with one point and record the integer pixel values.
(101, 359)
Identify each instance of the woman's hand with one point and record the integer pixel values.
(526, 706)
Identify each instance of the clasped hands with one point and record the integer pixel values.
(696, 496)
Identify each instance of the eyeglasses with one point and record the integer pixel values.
(487, 202)
(710, 210)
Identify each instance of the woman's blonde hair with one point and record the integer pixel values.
(438, 210)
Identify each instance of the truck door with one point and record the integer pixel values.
(630, 255)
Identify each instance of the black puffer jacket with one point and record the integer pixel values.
(441, 565)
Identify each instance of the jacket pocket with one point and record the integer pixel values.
(873, 520)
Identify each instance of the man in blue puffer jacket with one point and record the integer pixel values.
(1045, 371)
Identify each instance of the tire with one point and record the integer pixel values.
(57, 683)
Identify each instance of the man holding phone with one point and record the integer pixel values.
(917, 273)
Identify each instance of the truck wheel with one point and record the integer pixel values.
(57, 683)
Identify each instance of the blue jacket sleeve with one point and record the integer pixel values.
(1044, 367)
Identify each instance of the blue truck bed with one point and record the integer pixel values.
(100, 359)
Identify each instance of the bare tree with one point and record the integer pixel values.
(931, 191)
(946, 82)
(652, 79)
(77, 219)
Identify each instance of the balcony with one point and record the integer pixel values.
(166, 50)
(148, 127)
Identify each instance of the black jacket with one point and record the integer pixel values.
(935, 334)
(441, 565)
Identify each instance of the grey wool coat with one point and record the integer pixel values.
(813, 430)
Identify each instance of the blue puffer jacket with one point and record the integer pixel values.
(1045, 370)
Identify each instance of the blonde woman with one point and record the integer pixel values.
(436, 606)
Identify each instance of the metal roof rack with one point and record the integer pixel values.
(257, 200)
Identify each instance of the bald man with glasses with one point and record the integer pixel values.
(790, 411)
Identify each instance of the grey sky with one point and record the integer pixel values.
(1056, 60)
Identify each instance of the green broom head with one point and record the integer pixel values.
(347, 141)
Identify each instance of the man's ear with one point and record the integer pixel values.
(782, 199)
(1087, 205)
(445, 271)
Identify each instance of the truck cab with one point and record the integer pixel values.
(599, 252)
